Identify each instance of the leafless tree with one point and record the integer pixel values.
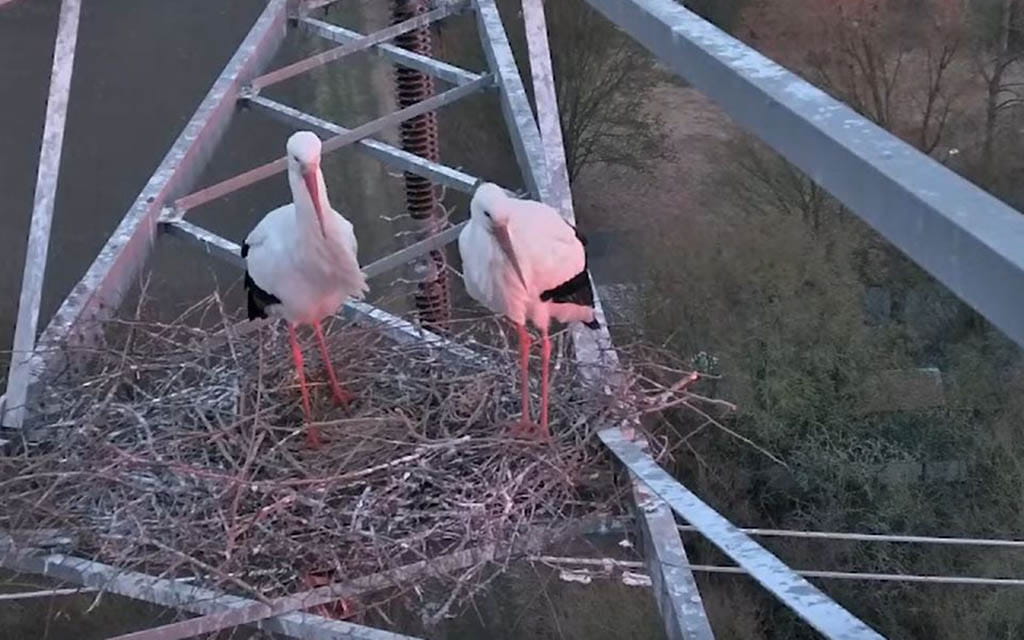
(603, 82)
(995, 59)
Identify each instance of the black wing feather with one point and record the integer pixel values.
(258, 299)
(575, 290)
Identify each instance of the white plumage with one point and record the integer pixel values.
(301, 259)
(521, 259)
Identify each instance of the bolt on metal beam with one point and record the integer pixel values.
(13, 410)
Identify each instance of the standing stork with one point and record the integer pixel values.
(521, 259)
(301, 263)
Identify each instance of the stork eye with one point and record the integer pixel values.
(487, 213)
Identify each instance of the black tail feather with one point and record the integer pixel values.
(576, 290)
(258, 299)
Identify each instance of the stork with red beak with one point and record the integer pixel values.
(521, 259)
(301, 262)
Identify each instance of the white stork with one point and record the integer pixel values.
(521, 259)
(301, 262)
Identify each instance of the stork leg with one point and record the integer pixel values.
(312, 434)
(341, 396)
(524, 426)
(545, 366)
(524, 370)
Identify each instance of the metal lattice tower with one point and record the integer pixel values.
(964, 237)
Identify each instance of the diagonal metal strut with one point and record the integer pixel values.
(803, 598)
(384, 153)
(437, 68)
(332, 144)
(337, 53)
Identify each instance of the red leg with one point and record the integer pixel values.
(312, 434)
(524, 342)
(342, 396)
(545, 364)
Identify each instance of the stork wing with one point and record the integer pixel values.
(547, 247)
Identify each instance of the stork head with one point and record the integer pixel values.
(304, 162)
(487, 206)
(491, 207)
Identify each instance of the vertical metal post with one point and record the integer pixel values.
(522, 127)
(42, 215)
(675, 588)
(108, 278)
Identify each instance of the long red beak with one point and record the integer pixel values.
(505, 242)
(313, 186)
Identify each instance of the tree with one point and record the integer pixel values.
(994, 26)
(602, 82)
(893, 71)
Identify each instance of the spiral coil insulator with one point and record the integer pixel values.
(419, 136)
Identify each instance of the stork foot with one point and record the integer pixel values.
(341, 609)
(528, 430)
(342, 397)
(313, 437)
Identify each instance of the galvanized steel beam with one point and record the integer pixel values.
(228, 251)
(522, 128)
(365, 42)
(101, 289)
(399, 330)
(259, 611)
(675, 588)
(964, 237)
(12, 411)
(384, 153)
(330, 145)
(437, 68)
(803, 598)
(179, 595)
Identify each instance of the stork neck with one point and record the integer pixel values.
(305, 212)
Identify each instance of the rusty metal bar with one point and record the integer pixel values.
(13, 409)
(386, 154)
(302, 66)
(101, 289)
(351, 136)
(437, 68)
